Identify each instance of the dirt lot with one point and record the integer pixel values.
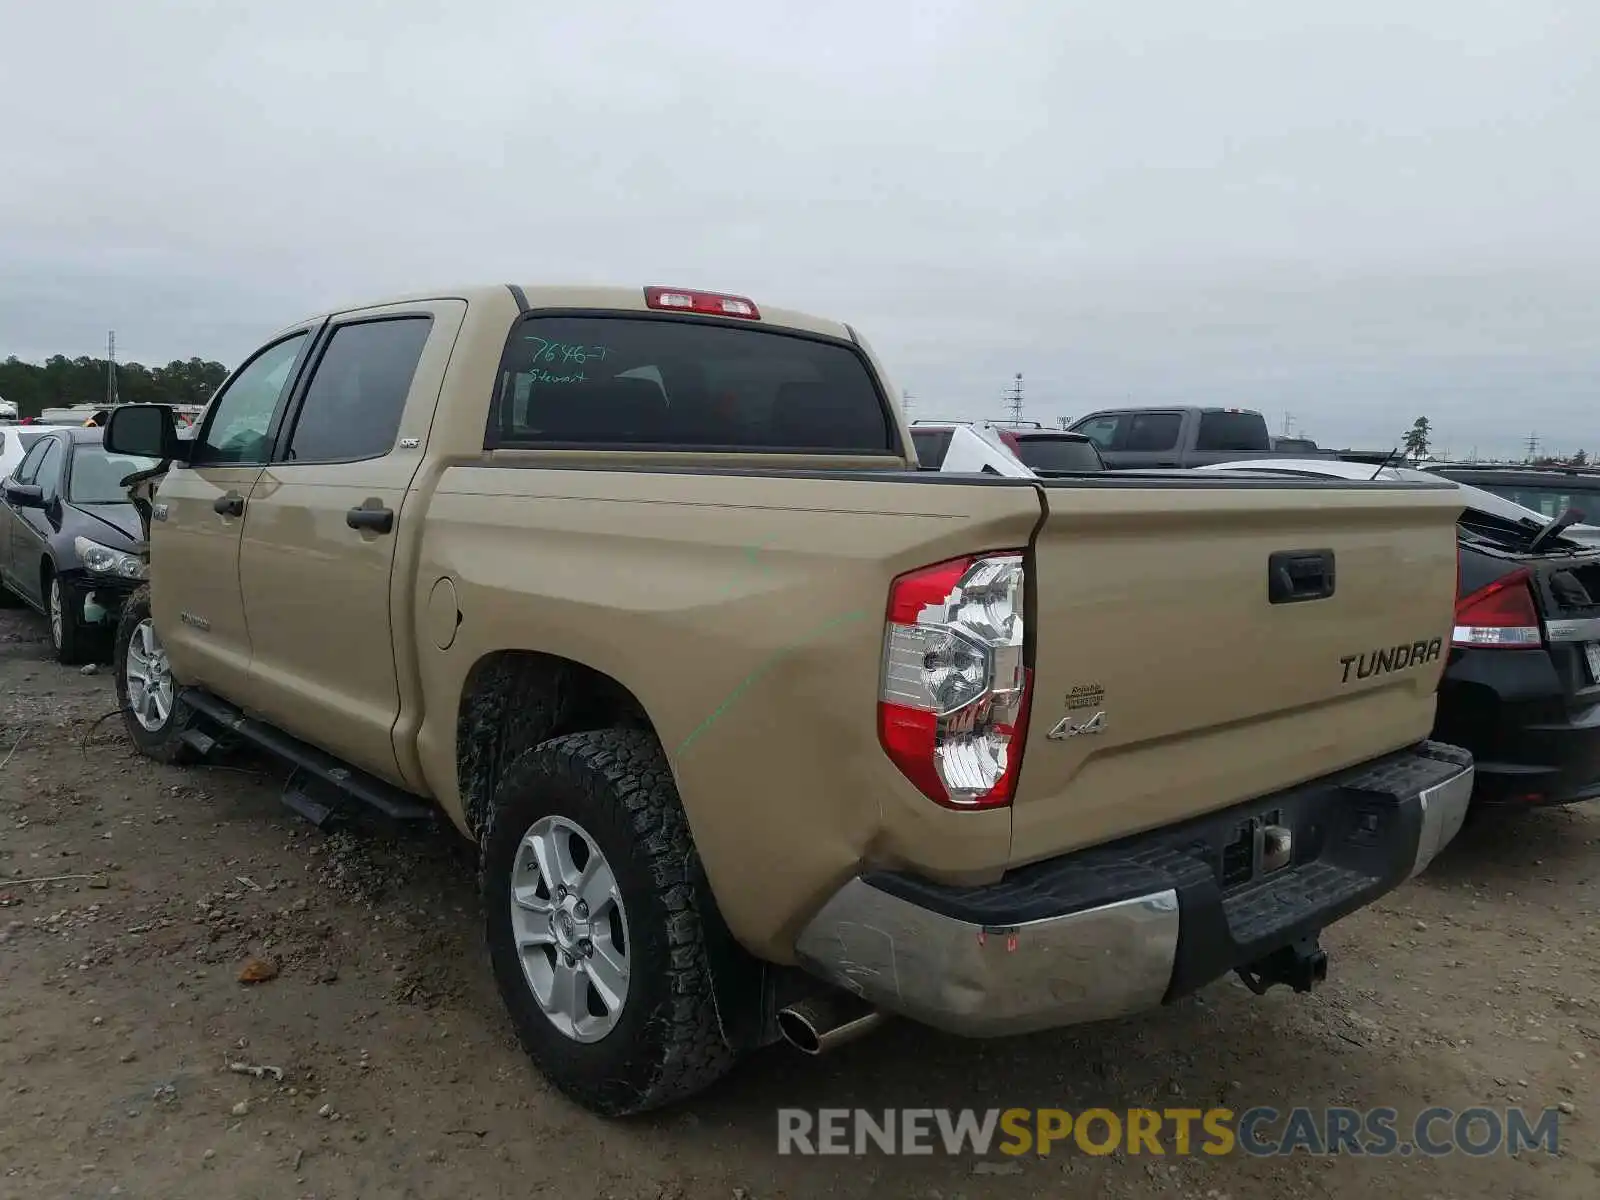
(121, 1006)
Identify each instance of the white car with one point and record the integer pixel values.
(1486, 502)
(14, 443)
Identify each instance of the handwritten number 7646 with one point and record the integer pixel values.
(565, 352)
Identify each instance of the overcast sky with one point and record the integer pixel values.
(1381, 211)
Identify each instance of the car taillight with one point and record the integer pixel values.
(713, 304)
(953, 709)
(1499, 614)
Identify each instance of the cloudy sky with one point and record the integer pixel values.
(1356, 212)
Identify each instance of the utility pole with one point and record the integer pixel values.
(111, 367)
(1014, 399)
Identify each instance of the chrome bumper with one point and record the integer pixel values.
(1444, 809)
(982, 979)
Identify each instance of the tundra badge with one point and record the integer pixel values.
(1391, 658)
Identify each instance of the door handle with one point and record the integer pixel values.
(379, 520)
(1294, 576)
(231, 505)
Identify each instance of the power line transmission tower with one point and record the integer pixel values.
(1533, 446)
(111, 367)
(905, 401)
(1014, 400)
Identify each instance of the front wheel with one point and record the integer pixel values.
(70, 638)
(146, 692)
(593, 920)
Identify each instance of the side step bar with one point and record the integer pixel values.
(316, 764)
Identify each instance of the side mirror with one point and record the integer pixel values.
(144, 431)
(24, 495)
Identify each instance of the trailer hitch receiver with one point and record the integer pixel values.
(1302, 964)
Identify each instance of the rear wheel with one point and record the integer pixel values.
(593, 922)
(146, 692)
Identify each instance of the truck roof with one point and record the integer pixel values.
(587, 296)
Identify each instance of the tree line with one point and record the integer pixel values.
(60, 382)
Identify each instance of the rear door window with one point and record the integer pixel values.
(357, 394)
(1152, 432)
(1057, 454)
(625, 381)
(1232, 432)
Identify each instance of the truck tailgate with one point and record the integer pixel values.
(1172, 679)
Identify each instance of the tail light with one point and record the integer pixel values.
(953, 709)
(1500, 614)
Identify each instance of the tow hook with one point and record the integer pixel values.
(1302, 965)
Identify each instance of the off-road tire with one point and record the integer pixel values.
(667, 1044)
(165, 745)
(77, 644)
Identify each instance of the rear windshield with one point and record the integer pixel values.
(673, 383)
(931, 446)
(1227, 432)
(1058, 454)
(1553, 499)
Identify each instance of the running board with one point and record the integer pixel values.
(312, 764)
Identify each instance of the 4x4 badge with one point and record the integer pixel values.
(1065, 728)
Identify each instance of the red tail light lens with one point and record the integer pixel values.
(953, 708)
(1500, 614)
(713, 304)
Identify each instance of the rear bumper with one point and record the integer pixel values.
(1531, 719)
(1122, 928)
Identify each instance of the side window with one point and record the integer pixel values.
(241, 416)
(28, 468)
(49, 476)
(1102, 431)
(357, 395)
(1152, 432)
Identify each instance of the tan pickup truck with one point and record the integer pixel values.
(761, 731)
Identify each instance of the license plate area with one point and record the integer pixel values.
(1591, 651)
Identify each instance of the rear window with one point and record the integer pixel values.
(1226, 432)
(1553, 500)
(1058, 454)
(628, 381)
(931, 446)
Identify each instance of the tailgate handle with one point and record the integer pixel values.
(1296, 575)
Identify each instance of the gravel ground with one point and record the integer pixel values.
(121, 1008)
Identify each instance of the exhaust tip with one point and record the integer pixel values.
(799, 1032)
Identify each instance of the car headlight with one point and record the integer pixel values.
(103, 560)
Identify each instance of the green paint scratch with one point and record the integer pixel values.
(761, 670)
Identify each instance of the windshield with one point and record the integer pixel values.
(1058, 454)
(97, 476)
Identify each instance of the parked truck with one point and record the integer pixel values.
(1174, 437)
(760, 731)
